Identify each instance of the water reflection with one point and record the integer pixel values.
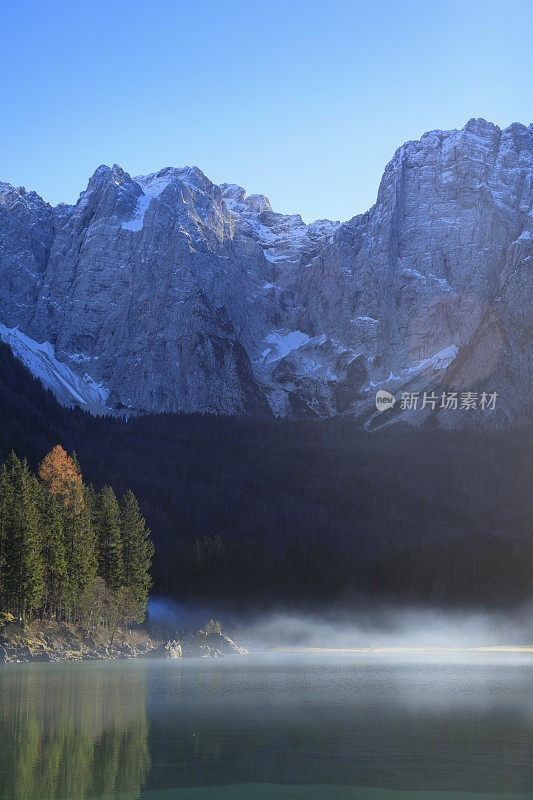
(72, 732)
(244, 727)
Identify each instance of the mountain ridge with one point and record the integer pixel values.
(168, 292)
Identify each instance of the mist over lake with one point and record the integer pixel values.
(270, 725)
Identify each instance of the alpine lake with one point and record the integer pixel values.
(324, 725)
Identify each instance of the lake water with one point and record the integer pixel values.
(276, 726)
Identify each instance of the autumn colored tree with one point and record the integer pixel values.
(68, 551)
(60, 474)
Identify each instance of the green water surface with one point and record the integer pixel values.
(273, 726)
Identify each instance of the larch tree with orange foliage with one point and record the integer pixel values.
(61, 476)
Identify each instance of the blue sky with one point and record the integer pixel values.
(302, 101)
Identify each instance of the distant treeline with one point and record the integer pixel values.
(492, 572)
(67, 551)
(303, 509)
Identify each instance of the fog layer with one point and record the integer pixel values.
(371, 627)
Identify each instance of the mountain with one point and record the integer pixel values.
(167, 292)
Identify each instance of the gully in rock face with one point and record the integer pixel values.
(167, 292)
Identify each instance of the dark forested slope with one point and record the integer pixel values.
(274, 482)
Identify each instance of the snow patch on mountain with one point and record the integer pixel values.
(283, 237)
(414, 273)
(281, 344)
(438, 362)
(432, 366)
(41, 360)
(152, 186)
(137, 221)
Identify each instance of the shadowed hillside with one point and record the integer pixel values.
(321, 486)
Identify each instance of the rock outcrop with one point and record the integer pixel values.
(166, 650)
(53, 641)
(211, 645)
(166, 292)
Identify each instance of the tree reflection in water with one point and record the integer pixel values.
(70, 734)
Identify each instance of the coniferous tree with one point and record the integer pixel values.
(81, 555)
(76, 463)
(67, 551)
(213, 628)
(23, 574)
(32, 587)
(7, 514)
(107, 523)
(58, 587)
(90, 499)
(137, 552)
(61, 477)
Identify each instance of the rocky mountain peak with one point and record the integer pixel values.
(166, 292)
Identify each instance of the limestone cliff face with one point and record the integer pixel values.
(121, 294)
(166, 292)
(442, 262)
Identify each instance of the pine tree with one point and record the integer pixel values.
(81, 556)
(7, 515)
(57, 580)
(137, 553)
(22, 565)
(62, 545)
(61, 477)
(33, 579)
(213, 628)
(76, 463)
(90, 499)
(107, 524)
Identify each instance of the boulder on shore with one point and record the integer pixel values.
(166, 650)
(211, 645)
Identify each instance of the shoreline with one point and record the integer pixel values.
(173, 650)
(407, 650)
(61, 642)
(119, 654)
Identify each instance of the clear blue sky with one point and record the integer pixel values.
(302, 101)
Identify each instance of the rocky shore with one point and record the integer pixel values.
(58, 642)
(199, 645)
